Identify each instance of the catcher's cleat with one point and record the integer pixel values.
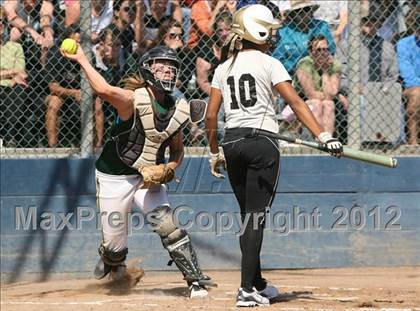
(118, 272)
(110, 261)
(101, 269)
(197, 290)
(206, 281)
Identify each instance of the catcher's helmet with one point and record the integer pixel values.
(159, 53)
(254, 23)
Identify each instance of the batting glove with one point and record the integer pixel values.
(333, 145)
(217, 160)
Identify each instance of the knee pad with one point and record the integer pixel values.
(162, 221)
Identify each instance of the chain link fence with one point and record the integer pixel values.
(350, 61)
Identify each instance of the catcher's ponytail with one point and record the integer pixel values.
(133, 82)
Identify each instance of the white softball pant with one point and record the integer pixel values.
(115, 197)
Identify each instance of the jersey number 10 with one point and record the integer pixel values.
(246, 100)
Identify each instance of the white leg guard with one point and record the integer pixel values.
(178, 244)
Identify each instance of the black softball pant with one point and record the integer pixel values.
(253, 169)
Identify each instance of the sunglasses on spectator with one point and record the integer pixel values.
(130, 9)
(319, 50)
(174, 35)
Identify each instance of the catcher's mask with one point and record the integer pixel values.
(159, 67)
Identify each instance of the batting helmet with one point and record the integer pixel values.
(254, 23)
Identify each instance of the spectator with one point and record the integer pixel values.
(203, 16)
(64, 87)
(408, 51)
(32, 17)
(32, 27)
(101, 16)
(72, 15)
(335, 13)
(410, 22)
(59, 13)
(388, 15)
(31, 22)
(156, 13)
(127, 12)
(108, 64)
(186, 14)
(12, 58)
(170, 34)
(210, 51)
(318, 80)
(378, 61)
(284, 7)
(107, 57)
(14, 121)
(294, 35)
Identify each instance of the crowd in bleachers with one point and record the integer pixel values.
(41, 90)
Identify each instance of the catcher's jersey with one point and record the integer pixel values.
(109, 161)
(248, 90)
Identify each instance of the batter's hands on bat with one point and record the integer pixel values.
(217, 160)
(333, 145)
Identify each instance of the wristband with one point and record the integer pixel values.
(324, 137)
(214, 156)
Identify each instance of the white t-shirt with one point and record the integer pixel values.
(248, 90)
(329, 11)
(101, 22)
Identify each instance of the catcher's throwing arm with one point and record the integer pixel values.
(347, 152)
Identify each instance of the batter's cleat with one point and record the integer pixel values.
(252, 299)
(269, 292)
(198, 291)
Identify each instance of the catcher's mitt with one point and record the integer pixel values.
(156, 174)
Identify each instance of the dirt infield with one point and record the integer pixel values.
(317, 289)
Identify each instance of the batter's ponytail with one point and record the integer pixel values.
(235, 44)
(231, 48)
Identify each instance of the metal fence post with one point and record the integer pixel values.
(86, 104)
(354, 124)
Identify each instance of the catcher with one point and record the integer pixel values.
(131, 168)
